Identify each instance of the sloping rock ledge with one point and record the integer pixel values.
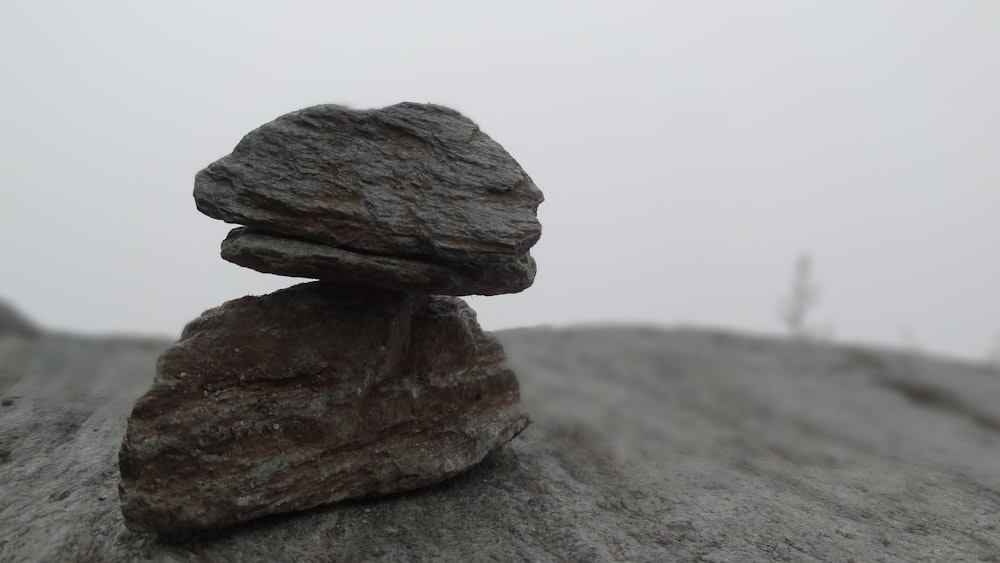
(648, 444)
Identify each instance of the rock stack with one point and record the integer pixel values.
(372, 380)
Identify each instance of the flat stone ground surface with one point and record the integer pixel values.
(647, 445)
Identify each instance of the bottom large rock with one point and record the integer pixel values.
(310, 395)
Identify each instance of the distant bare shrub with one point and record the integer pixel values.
(910, 341)
(802, 299)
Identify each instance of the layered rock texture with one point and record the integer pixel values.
(373, 380)
(240, 424)
(343, 195)
(266, 252)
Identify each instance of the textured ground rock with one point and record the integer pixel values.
(273, 254)
(414, 181)
(311, 395)
(646, 445)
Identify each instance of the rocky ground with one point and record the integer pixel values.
(647, 445)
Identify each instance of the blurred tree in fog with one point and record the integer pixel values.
(802, 299)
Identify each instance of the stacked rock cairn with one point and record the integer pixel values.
(374, 379)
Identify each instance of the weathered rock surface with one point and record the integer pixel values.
(647, 445)
(411, 181)
(13, 324)
(311, 395)
(273, 254)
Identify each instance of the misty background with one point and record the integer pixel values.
(689, 152)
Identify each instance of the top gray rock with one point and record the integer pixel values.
(414, 181)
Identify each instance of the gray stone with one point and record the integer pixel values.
(311, 395)
(411, 181)
(646, 445)
(272, 254)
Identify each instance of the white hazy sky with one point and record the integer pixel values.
(688, 151)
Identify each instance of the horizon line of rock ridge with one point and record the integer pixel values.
(409, 196)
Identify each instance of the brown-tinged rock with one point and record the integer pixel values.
(418, 182)
(310, 395)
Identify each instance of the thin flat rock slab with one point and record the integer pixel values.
(310, 395)
(408, 180)
(275, 254)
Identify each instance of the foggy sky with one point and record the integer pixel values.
(688, 151)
